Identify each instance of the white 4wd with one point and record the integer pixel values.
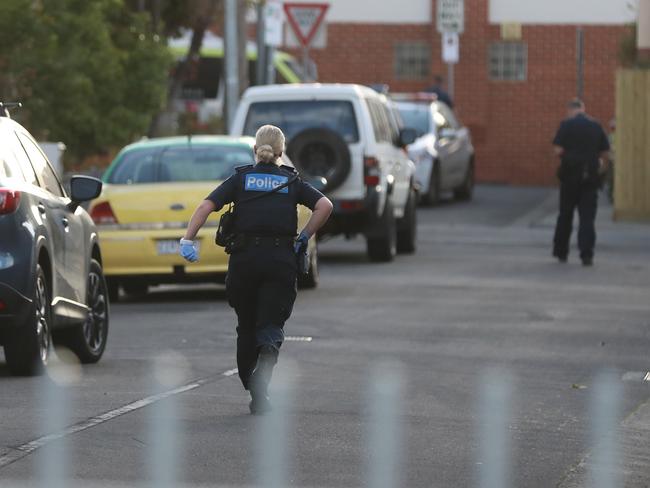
(348, 137)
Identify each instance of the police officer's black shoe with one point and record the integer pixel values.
(260, 378)
(260, 404)
(561, 258)
(587, 261)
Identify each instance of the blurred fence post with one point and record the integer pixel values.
(495, 410)
(385, 432)
(605, 406)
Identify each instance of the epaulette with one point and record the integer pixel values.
(289, 168)
(240, 169)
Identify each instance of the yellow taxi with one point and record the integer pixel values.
(150, 192)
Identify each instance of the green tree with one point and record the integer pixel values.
(90, 73)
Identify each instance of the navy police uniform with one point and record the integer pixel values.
(261, 281)
(582, 139)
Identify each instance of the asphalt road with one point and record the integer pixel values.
(482, 294)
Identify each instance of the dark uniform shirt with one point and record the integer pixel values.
(583, 139)
(274, 214)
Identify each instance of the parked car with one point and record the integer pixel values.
(348, 136)
(150, 192)
(51, 279)
(443, 151)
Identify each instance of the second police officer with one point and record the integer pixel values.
(262, 270)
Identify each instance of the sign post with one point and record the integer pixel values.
(274, 27)
(450, 22)
(304, 20)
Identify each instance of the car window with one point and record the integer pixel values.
(416, 117)
(394, 122)
(448, 115)
(9, 166)
(23, 161)
(379, 121)
(45, 173)
(294, 117)
(179, 163)
(440, 121)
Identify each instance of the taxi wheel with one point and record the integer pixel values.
(28, 350)
(310, 280)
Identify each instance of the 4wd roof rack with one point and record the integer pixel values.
(5, 106)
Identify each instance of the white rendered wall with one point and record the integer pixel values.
(377, 11)
(603, 12)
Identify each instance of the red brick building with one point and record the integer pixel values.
(511, 93)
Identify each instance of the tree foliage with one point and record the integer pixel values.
(89, 73)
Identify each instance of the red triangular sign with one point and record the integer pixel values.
(305, 18)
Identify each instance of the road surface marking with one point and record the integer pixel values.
(23, 450)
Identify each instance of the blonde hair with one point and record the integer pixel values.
(269, 142)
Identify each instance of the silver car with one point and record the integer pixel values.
(443, 153)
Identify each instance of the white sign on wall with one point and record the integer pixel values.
(585, 12)
(450, 47)
(274, 27)
(450, 16)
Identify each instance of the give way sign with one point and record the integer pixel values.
(305, 18)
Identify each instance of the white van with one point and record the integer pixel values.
(349, 136)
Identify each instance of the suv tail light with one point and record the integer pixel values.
(9, 200)
(371, 171)
(102, 214)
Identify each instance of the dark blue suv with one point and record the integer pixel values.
(52, 287)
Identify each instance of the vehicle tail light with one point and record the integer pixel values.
(3, 306)
(371, 171)
(103, 214)
(9, 200)
(351, 204)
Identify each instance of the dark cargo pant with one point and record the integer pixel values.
(584, 197)
(261, 287)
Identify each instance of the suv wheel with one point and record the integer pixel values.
(432, 196)
(310, 280)
(466, 190)
(28, 350)
(407, 226)
(381, 247)
(88, 340)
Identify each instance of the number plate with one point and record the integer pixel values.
(170, 246)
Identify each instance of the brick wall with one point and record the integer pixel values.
(512, 123)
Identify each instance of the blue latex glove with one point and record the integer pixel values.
(189, 251)
(301, 243)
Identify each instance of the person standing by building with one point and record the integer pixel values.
(438, 89)
(583, 148)
(262, 270)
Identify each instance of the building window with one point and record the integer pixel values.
(508, 61)
(412, 60)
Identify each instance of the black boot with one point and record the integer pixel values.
(260, 379)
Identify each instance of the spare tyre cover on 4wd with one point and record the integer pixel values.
(321, 153)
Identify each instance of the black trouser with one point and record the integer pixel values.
(261, 287)
(584, 197)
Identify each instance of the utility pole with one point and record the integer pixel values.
(232, 61)
(643, 31)
(242, 39)
(260, 72)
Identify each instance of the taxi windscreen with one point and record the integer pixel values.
(179, 164)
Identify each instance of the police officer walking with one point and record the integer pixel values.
(262, 271)
(583, 146)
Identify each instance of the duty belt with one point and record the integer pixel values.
(266, 240)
